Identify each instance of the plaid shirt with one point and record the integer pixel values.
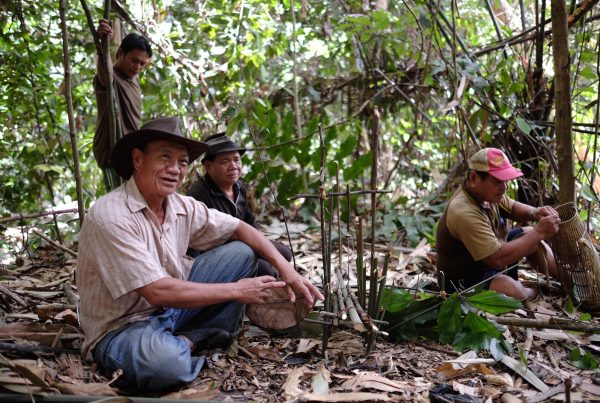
(122, 247)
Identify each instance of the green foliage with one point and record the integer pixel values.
(449, 319)
(494, 302)
(583, 359)
(410, 317)
(479, 334)
(569, 307)
(235, 66)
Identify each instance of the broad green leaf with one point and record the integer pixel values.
(569, 307)
(589, 194)
(524, 125)
(450, 319)
(396, 299)
(476, 334)
(358, 166)
(583, 359)
(493, 302)
(588, 73)
(381, 19)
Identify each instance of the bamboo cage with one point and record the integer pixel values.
(576, 258)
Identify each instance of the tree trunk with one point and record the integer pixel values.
(69, 99)
(112, 113)
(562, 90)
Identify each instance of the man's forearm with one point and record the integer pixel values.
(177, 293)
(515, 250)
(261, 245)
(522, 212)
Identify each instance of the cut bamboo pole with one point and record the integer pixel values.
(354, 317)
(551, 323)
(361, 277)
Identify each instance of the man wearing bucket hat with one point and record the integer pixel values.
(473, 242)
(220, 188)
(145, 309)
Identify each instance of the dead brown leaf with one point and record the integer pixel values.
(87, 389)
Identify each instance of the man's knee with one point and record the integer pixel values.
(510, 287)
(243, 249)
(167, 367)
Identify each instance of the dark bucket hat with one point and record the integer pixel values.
(220, 143)
(156, 129)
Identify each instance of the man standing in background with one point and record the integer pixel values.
(131, 58)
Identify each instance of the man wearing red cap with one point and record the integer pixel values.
(473, 242)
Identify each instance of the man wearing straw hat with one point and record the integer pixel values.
(145, 309)
(473, 242)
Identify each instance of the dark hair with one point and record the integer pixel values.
(136, 41)
(482, 174)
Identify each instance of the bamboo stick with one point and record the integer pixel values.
(354, 192)
(354, 317)
(551, 323)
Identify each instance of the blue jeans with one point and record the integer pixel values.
(151, 356)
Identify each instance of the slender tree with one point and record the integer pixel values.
(562, 90)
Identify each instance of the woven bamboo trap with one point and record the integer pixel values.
(576, 258)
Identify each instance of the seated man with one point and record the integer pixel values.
(220, 188)
(146, 307)
(471, 239)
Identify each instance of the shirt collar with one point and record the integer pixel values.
(471, 196)
(136, 202)
(214, 189)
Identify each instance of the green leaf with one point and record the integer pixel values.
(522, 357)
(585, 317)
(396, 299)
(569, 307)
(417, 320)
(525, 125)
(381, 19)
(358, 167)
(363, 20)
(588, 73)
(493, 302)
(589, 194)
(477, 334)
(583, 359)
(450, 319)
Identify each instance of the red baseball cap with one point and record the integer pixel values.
(495, 162)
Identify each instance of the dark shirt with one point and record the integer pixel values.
(207, 191)
(468, 232)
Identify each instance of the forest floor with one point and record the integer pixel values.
(40, 338)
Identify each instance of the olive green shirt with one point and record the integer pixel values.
(468, 232)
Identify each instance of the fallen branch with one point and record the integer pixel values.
(16, 217)
(545, 396)
(552, 323)
(54, 243)
(12, 295)
(54, 307)
(71, 296)
(26, 348)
